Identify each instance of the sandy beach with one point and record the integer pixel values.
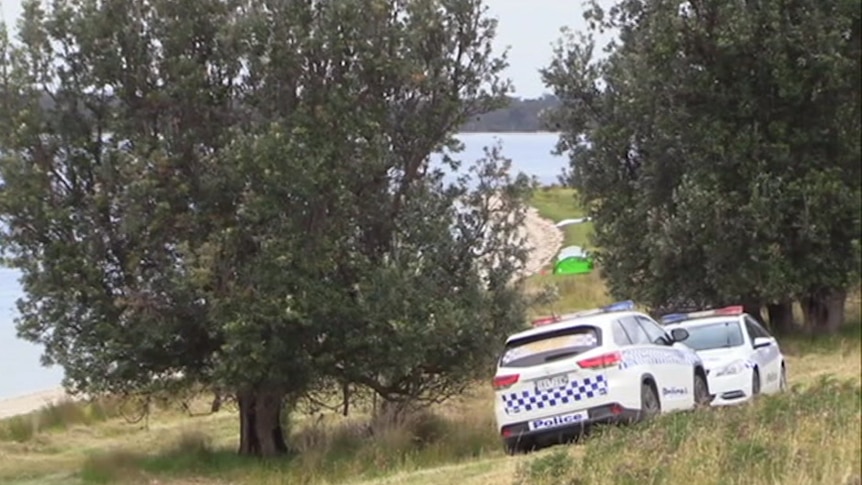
(544, 240)
(30, 402)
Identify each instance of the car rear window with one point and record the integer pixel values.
(719, 335)
(545, 347)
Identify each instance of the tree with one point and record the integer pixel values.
(238, 194)
(722, 163)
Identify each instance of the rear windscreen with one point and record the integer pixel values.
(720, 335)
(546, 347)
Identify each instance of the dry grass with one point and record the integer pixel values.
(817, 427)
(805, 437)
(810, 436)
(60, 415)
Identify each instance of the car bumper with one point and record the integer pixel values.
(603, 414)
(730, 389)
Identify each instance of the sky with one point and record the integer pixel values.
(528, 27)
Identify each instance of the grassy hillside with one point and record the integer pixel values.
(557, 204)
(575, 291)
(808, 436)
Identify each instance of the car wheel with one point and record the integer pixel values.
(701, 392)
(650, 405)
(782, 382)
(514, 446)
(755, 382)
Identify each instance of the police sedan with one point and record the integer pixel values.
(742, 359)
(604, 365)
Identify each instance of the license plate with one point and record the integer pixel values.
(558, 421)
(552, 382)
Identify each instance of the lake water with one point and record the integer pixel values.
(21, 371)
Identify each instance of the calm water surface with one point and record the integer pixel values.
(21, 371)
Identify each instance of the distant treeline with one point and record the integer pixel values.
(521, 115)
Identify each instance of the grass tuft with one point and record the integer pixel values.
(58, 416)
(804, 436)
(328, 451)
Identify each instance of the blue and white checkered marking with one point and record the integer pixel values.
(582, 340)
(513, 354)
(574, 391)
(636, 357)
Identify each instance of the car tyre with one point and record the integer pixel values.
(755, 382)
(782, 382)
(650, 405)
(701, 392)
(514, 447)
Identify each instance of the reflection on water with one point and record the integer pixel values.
(530, 153)
(21, 372)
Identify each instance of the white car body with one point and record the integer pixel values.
(748, 361)
(585, 368)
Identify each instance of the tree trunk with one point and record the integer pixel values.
(261, 432)
(345, 393)
(216, 404)
(824, 311)
(781, 317)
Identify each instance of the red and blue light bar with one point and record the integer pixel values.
(620, 306)
(715, 312)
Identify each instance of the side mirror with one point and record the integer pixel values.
(679, 334)
(761, 342)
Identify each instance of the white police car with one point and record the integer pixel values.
(610, 364)
(742, 359)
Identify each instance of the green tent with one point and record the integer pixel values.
(573, 260)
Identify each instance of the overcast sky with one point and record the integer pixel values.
(527, 27)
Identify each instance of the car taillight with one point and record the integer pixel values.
(604, 360)
(505, 381)
(545, 321)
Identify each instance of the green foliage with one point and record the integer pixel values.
(723, 161)
(238, 194)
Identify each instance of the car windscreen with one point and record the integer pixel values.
(714, 335)
(545, 347)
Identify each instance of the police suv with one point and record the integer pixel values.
(611, 364)
(741, 358)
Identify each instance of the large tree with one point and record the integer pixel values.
(239, 194)
(717, 147)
